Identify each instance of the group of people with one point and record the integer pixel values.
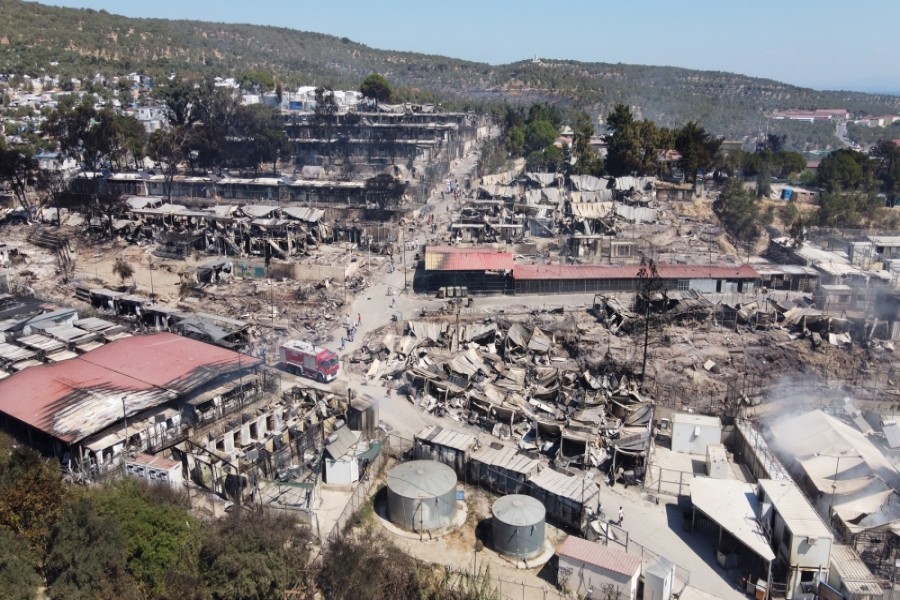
(351, 329)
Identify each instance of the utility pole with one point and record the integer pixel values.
(150, 266)
(125, 446)
(649, 284)
(403, 250)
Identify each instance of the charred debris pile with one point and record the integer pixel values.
(532, 383)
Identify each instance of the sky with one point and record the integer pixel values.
(822, 44)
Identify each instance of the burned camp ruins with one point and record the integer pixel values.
(373, 320)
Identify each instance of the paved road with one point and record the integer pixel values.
(656, 527)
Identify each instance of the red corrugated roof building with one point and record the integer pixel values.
(598, 555)
(670, 272)
(76, 398)
(451, 258)
(585, 566)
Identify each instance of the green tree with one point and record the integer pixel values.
(888, 154)
(88, 556)
(19, 576)
(254, 555)
(790, 164)
(738, 212)
(845, 170)
(326, 106)
(623, 151)
(545, 112)
(31, 494)
(697, 148)
(160, 536)
(168, 148)
(547, 159)
(19, 170)
(180, 99)
(848, 209)
(367, 567)
(587, 162)
(376, 87)
(539, 134)
(133, 140)
(262, 135)
(261, 81)
(515, 140)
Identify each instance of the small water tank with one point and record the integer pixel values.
(518, 526)
(422, 495)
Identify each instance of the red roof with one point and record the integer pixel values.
(168, 360)
(73, 399)
(601, 556)
(561, 272)
(450, 258)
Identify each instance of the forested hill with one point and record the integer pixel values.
(84, 42)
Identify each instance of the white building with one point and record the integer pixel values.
(801, 542)
(341, 464)
(717, 466)
(155, 469)
(659, 579)
(692, 434)
(591, 569)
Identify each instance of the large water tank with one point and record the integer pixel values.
(422, 495)
(518, 526)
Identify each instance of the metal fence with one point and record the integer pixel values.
(682, 575)
(390, 446)
(668, 481)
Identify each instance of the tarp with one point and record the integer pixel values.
(589, 183)
(592, 210)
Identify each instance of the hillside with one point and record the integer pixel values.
(85, 41)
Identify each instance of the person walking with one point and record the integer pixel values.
(358, 319)
(621, 516)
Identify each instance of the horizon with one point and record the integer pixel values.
(823, 37)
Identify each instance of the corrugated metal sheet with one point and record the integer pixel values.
(448, 258)
(891, 431)
(258, 211)
(506, 458)
(302, 213)
(559, 484)
(854, 573)
(79, 397)
(344, 440)
(13, 353)
(603, 557)
(41, 342)
(789, 502)
(437, 435)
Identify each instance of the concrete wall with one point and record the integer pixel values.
(256, 269)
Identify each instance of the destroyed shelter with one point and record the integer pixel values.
(133, 392)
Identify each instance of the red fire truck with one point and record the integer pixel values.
(302, 358)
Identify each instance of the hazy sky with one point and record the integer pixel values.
(824, 44)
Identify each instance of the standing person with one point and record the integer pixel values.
(359, 318)
(621, 516)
